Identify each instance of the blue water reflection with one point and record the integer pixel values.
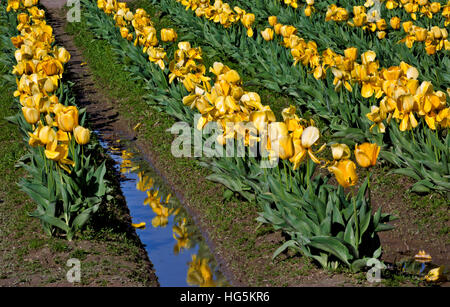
(179, 254)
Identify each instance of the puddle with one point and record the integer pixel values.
(175, 246)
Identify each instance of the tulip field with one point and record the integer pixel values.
(319, 103)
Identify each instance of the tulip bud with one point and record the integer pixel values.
(82, 135)
(308, 11)
(31, 115)
(381, 34)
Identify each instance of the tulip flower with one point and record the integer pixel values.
(280, 140)
(58, 153)
(366, 154)
(273, 20)
(309, 137)
(168, 35)
(262, 118)
(267, 34)
(435, 275)
(340, 151)
(82, 135)
(67, 118)
(47, 135)
(345, 172)
(31, 115)
(63, 55)
(395, 23)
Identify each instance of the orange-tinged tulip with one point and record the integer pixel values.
(345, 172)
(366, 154)
(82, 135)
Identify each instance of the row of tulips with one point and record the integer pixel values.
(434, 39)
(430, 173)
(227, 101)
(397, 86)
(67, 182)
(416, 8)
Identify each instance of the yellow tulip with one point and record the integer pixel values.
(272, 20)
(366, 154)
(395, 23)
(168, 35)
(345, 172)
(82, 135)
(67, 118)
(435, 7)
(280, 140)
(23, 18)
(262, 118)
(340, 151)
(31, 115)
(267, 34)
(47, 135)
(124, 32)
(435, 275)
(63, 55)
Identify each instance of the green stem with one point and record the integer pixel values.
(355, 214)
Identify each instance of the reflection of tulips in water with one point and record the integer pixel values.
(199, 273)
(181, 234)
